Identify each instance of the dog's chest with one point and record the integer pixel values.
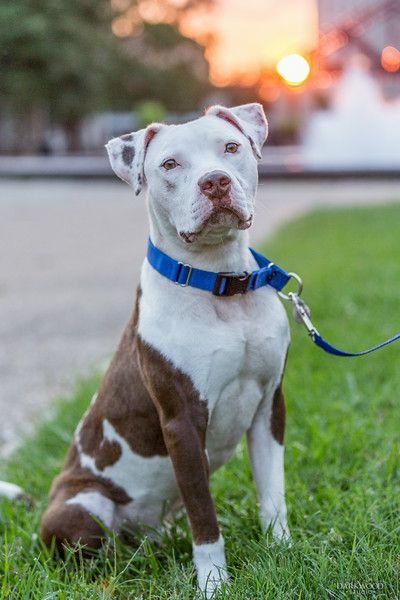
(233, 350)
(248, 344)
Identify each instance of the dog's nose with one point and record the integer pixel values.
(215, 184)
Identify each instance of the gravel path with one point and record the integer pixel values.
(70, 258)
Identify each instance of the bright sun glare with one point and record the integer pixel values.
(294, 69)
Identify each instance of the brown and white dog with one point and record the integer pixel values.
(193, 371)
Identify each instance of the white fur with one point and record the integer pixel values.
(96, 504)
(266, 457)
(149, 481)
(10, 490)
(230, 356)
(131, 173)
(250, 119)
(187, 207)
(210, 563)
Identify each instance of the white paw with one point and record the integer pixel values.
(210, 582)
(281, 533)
(277, 528)
(211, 566)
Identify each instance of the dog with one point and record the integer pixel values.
(195, 369)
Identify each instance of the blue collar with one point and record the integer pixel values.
(220, 284)
(228, 284)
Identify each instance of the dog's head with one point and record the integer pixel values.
(201, 175)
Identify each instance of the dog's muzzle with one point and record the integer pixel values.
(223, 210)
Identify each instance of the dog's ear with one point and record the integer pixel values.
(250, 119)
(127, 154)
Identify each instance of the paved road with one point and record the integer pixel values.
(70, 258)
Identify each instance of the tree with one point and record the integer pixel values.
(155, 11)
(170, 68)
(60, 60)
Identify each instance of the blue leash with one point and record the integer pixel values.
(321, 343)
(317, 338)
(229, 283)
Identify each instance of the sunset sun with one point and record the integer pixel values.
(294, 69)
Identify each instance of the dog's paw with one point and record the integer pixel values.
(276, 531)
(281, 534)
(210, 566)
(212, 583)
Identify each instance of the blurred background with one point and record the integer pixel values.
(74, 74)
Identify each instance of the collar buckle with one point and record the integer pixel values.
(231, 283)
(189, 273)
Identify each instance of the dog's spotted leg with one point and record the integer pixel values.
(265, 441)
(184, 418)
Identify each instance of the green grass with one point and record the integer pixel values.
(342, 451)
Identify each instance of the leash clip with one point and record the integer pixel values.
(303, 312)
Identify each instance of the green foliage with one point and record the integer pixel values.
(62, 58)
(342, 452)
(150, 111)
(170, 68)
(58, 55)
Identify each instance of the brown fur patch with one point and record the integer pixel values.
(156, 409)
(278, 416)
(70, 523)
(125, 402)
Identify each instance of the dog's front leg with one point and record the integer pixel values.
(184, 418)
(185, 444)
(265, 442)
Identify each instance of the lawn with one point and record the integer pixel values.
(342, 451)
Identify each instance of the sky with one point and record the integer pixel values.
(254, 33)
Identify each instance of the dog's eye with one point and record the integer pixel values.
(231, 147)
(169, 164)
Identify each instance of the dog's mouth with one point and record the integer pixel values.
(222, 217)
